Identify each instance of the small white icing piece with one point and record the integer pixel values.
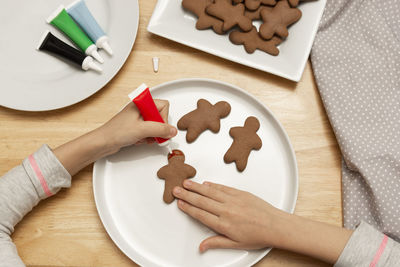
(156, 61)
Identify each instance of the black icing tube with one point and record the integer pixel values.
(52, 44)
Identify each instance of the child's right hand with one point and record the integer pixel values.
(245, 221)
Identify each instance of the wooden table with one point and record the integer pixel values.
(65, 230)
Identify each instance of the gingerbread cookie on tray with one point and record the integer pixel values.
(278, 19)
(231, 14)
(205, 21)
(252, 41)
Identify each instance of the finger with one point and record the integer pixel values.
(202, 216)
(205, 190)
(198, 201)
(217, 241)
(163, 108)
(223, 188)
(157, 129)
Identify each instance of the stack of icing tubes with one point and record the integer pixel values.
(88, 36)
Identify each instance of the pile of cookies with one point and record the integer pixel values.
(225, 15)
(207, 117)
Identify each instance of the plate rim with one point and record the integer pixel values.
(117, 70)
(201, 80)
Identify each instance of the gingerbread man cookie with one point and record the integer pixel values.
(205, 21)
(245, 139)
(232, 15)
(252, 41)
(175, 173)
(278, 19)
(255, 4)
(206, 116)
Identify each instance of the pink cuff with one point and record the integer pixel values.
(39, 176)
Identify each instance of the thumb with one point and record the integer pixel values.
(217, 241)
(157, 129)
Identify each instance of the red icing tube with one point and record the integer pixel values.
(148, 109)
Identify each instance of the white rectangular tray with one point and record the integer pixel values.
(171, 21)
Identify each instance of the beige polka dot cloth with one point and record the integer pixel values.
(356, 61)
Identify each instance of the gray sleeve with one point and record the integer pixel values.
(40, 175)
(369, 247)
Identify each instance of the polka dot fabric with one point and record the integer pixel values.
(356, 62)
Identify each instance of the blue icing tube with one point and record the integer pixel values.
(79, 11)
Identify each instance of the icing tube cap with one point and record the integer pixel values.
(88, 63)
(102, 42)
(92, 51)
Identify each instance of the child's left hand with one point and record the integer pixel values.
(128, 128)
(124, 129)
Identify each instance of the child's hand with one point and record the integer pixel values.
(128, 128)
(243, 220)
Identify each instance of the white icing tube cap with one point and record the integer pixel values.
(156, 63)
(92, 51)
(102, 43)
(88, 63)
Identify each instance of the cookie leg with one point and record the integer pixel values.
(241, 164)
(214, 126)
(266, 31)
(229, 156)
(168, 197)
(282, 32)
(192, 135)
(218, 28)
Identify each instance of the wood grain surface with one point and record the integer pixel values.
(65, 230)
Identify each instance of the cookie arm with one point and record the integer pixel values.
(228, 157)
(190, 171)
(214, 126)
(257, 143)
(282, 31)
(234, 131)
(183, 123)
(160, 173)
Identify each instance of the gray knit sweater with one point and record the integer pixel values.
(41, 175)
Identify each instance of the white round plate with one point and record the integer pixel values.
(128, 193)
(37, 81)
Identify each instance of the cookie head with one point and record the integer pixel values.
(176, 155)
(252, 123)
(223, 108)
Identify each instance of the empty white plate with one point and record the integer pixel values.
(128, 193)
(171, 21)
(36, 81)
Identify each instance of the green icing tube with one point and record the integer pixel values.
(66, 24)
